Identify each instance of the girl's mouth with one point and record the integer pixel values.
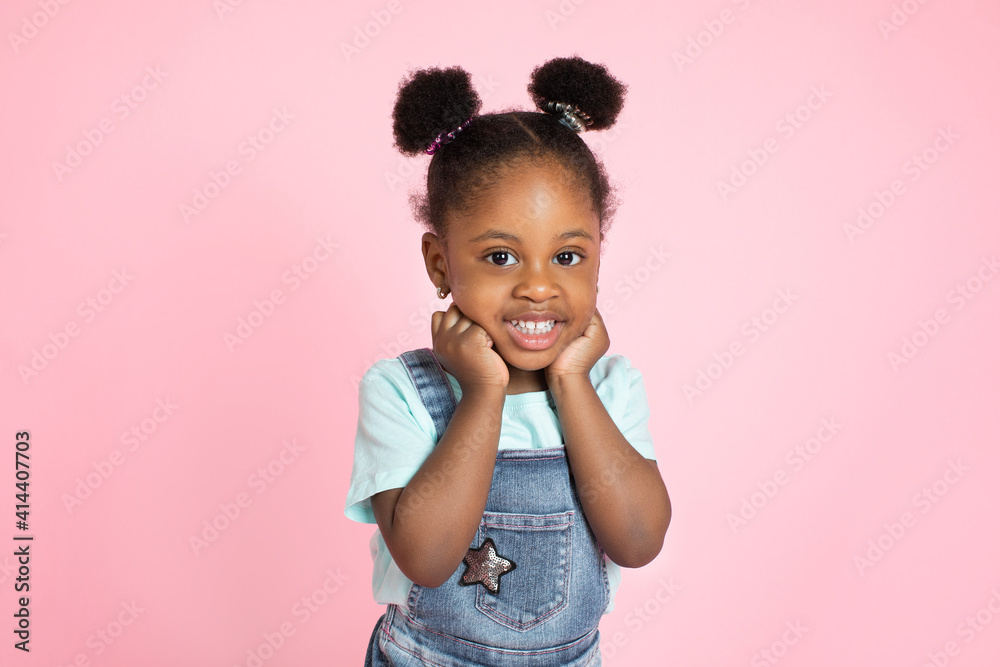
(534, 335)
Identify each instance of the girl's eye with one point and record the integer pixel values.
(567, 258)
(506, 258)
(501, 258)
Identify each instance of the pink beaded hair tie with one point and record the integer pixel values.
(446, 137)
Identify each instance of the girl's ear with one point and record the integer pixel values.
(434, 259)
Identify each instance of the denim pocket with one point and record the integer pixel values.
(538, 588)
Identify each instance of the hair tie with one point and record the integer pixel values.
(446, 137)
(571, 116)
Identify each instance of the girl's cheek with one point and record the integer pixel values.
(581, 326)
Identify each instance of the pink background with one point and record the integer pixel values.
(841, 546)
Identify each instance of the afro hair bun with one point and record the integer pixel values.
(431, 102)
(575, 81)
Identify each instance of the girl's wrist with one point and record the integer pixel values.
(484, 392)
(562, 384)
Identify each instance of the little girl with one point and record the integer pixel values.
(510, 470)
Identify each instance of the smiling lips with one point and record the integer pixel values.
(531, 327)
(534, 331)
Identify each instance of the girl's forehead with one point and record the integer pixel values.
(533, 199)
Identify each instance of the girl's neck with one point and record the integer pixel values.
(522, 381)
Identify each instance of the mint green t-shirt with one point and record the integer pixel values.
(396, 434)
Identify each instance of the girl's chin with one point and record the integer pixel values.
(529, 360)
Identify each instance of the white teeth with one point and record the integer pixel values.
(533, 328)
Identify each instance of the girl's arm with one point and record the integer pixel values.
(429, 524)
(622, 493)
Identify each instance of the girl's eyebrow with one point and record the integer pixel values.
(513, 238)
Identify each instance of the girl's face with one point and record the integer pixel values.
(529, 249)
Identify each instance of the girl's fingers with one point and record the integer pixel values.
(441, 321)
(452, 315)
(454, 321)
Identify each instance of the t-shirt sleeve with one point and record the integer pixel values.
(627, 403)
(394, 437)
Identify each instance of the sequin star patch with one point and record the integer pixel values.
(485, 566)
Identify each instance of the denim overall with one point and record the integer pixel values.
(547, 608)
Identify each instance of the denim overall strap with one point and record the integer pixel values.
(432, 386)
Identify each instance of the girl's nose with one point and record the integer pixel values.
(536, 282)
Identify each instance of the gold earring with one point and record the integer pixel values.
(442, 292)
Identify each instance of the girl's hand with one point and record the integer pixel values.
(581, 355)
(466, 351)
